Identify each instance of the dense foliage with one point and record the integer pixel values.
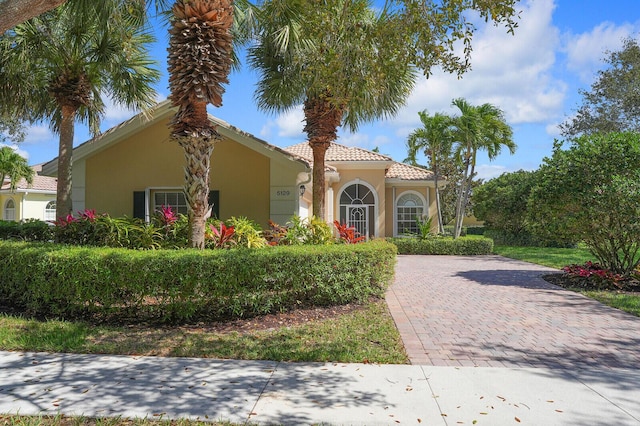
(181, 286)
(464, 246)
(591, 192)
(612, 104)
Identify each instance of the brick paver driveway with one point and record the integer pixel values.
(492, 311)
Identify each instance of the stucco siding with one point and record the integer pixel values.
(148, 159)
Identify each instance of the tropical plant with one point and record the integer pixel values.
(425, 227)
(72, 59)
(590, 192)
(276, 234)
(434, 140)
(326, 55)
(14, 167)
(247, 232)
(348, 234)
(220, 237)
(477, 128)
(200, 59)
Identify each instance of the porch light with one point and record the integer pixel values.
(301, 190)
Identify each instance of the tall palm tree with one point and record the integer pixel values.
(478, 128)
(200, 59)
(72, 59)
(14, 167)
(337, 58)
(434, 140)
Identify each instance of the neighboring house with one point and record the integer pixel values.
(133, 169)
(29, 201)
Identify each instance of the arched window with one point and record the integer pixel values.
(10, 210)
(358, 208)
(50, 211)
(409, 206)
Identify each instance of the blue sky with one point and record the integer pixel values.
(533, 76)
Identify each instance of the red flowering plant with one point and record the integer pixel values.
(220, 237)
(166, 216)
(594, 275)
(79, 230)
(348, 234)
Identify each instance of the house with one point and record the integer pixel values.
(133, 169)
(29, 201)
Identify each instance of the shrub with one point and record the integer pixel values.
(247, 232)
(594, 276)
(301, 231)
(463, 246)
(181, 286)
(30, 230)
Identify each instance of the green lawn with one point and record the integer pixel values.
(559, 257)
(367, 334)
(552, 257)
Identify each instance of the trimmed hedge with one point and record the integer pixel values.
(444, 245)
(180, 286)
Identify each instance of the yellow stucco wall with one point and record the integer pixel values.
(427, 193)
(375, 178)
(147, 159)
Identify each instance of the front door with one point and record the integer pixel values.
(358, 217)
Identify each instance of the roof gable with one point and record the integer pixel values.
(341, 154)
(163, 111)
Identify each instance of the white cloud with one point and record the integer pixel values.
(38, 135)
(586, 51)
(512, 72)
(490, 171)
(288, 124)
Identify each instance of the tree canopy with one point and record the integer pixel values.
(14, 167)
(591, 192)
(72, 60)
(613, 102)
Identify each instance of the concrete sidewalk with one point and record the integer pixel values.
(265, 392)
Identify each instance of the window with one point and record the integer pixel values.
(10, 210)
(174, 199)
(50, 211)
(357, 208)
(410, 205)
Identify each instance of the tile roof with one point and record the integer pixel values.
(408, 172)
(40, 182)
(337, 152)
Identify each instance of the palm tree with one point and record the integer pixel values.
(337, 58)
(200, 59)
(72, 59)
(477, 128)
(14, 167)
(434, 139)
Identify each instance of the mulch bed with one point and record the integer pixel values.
(630, 285)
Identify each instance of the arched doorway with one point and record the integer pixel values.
(358, 207)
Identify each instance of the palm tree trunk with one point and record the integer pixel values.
(322, 119)
(64, 204)
(197, 144)
(319, 149)
(459, 204)
(438, 208)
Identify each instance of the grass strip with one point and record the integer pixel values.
(546, 256)
(364, 335)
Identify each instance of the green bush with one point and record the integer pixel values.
(524, 239)
(476, 230)
(30, 230)
(463, 246)
(181, 286)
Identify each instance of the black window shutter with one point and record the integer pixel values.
(214, 201)
(139, 200)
